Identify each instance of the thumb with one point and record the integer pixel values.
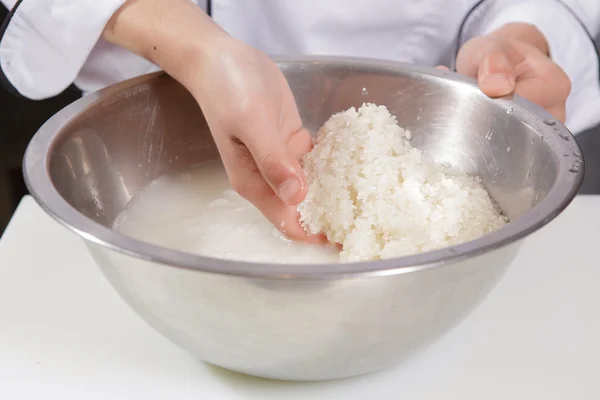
(279, 168)
(496, 74)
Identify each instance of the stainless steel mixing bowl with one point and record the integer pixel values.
(301, 322)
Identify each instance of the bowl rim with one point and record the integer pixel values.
(37, 178)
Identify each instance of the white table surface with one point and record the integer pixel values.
(65, 334)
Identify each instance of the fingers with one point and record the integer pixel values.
(282, 172)
(280, 168)
(540, 92)
(559, 112)
(544, 83)
(496, 74)
(299, 144)
(492, 62)
(505, 66)
(263, 163)
(247, 180)
(257, 140)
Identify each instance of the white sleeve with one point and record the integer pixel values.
(46, 45)
(568, 26)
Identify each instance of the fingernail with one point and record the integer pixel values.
(288, 189)
(497, 80)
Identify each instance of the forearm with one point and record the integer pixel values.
(173, 34)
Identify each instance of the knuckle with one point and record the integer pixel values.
(266, 161)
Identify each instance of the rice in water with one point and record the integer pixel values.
(369, 191)
(197, 212)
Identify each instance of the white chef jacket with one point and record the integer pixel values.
(49, 44)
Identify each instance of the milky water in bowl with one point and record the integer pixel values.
(197, 212)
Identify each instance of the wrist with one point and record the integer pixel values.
(523, 32)
(176, 35)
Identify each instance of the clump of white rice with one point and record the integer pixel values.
(373, 193)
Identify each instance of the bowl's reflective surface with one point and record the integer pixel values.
(301, 322)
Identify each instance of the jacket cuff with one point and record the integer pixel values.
(45, 43)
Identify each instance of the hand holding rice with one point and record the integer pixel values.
(377, 196)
